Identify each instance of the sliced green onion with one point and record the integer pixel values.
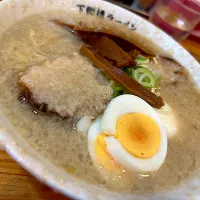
(116, 87)
(142, 73)
(158, 77)
(144, 77)
(128, 70)
(142, 60)
(117, 90)
(148, 65)
(117, 93)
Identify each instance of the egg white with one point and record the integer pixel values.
(119, 153)
(107, 124)
(126, 104)
(84, 124)
(93, 132)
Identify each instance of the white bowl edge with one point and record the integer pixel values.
(12, 11)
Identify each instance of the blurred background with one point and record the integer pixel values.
(139, 4)
(184, 22)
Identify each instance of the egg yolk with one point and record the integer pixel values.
(139, 134)
(104, 157)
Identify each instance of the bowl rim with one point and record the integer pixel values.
(26, 156)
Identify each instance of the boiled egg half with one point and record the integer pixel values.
(129, 135)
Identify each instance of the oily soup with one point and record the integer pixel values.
(35, 40)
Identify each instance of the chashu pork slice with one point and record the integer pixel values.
(66, 86)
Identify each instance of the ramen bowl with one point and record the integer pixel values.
(13, 11)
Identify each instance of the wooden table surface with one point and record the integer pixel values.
(17, 184)
(193, 46)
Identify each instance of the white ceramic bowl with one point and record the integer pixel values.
(11, 12)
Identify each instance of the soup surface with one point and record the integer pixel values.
(35, 40)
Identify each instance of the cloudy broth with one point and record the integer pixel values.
(36, 39)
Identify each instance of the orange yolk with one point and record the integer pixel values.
(139, 135)
(104, 157)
